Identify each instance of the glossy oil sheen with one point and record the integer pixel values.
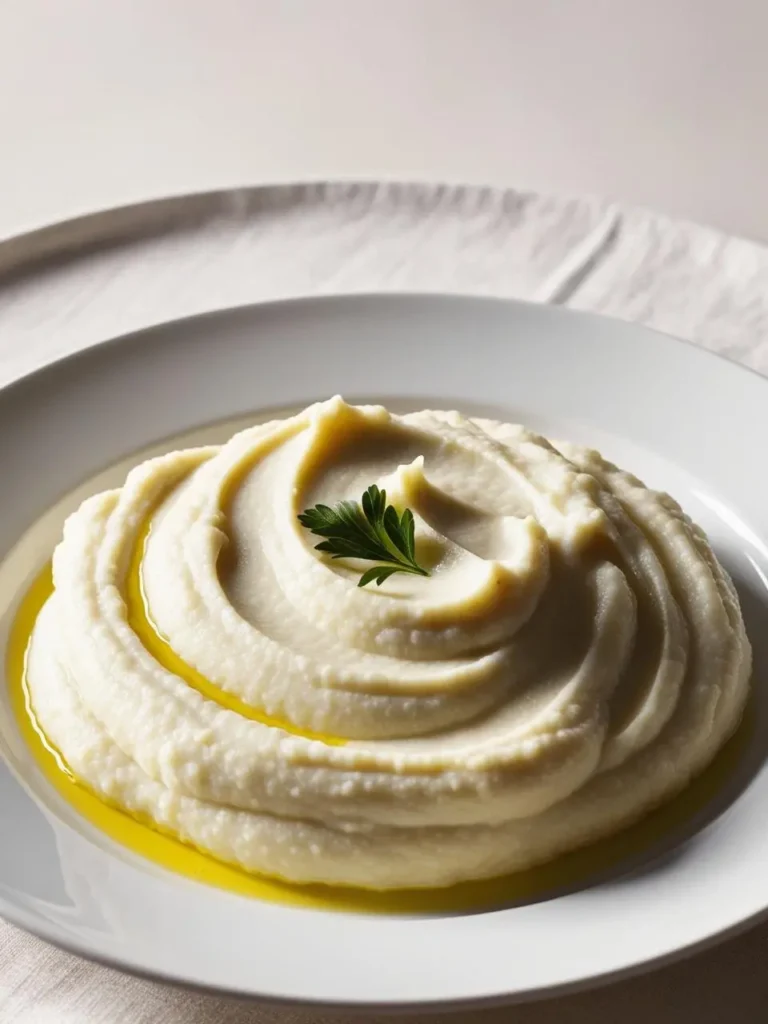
(142, 837)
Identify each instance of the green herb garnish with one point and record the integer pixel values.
(373, 532)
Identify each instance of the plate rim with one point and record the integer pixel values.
(37, 926)
(394, 1007)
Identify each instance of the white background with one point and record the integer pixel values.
(657, 102)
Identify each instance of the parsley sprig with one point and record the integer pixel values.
(371, 530)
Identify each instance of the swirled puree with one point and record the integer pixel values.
(575, 656)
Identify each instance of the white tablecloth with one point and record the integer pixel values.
(74, 285)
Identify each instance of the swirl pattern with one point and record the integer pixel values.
(575, 656)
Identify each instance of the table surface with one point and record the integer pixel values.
(662, 103)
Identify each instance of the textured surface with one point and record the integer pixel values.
(71, 286)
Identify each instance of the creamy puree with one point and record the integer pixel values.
(575, 656)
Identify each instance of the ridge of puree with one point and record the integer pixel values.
(575, 657)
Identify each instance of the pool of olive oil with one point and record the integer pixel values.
(645, 840)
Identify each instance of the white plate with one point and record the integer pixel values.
(685, 421)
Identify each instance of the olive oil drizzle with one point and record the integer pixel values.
(140, 620)
(142, 837)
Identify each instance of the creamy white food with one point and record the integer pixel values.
(576, 655)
